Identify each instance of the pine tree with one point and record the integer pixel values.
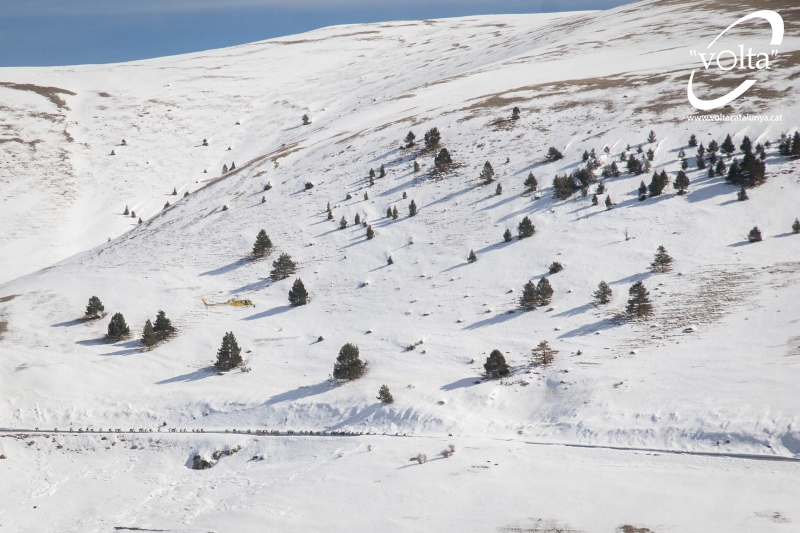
(163, 327)
(530, 183)
(496, 365)
(700, 158)
(487, 174)
(384, 395)
(432, 138)
(185, 194)
(742, 195)
(544, 292)
(529, 299)
(526, 228)
(747, 145)
(639, 302)
(229, 355)
(348, 366)
(684, 164)
(601, 188)
(390, 261)
(796, 226)
(330, 215)
(553, 154)
(681, 154)
(297, 294)
(642, 192)
(727, 146)
(471, 258)
(366, 196)
(409, 140)
(283, 267)
(224, 169)
(357, 219)
(515, 113)
(396, 213)
(498, 190)
(166, 205)
(372, 173)
(563, 187)
(555, 267)
(681, 182)
(595, 201)
(382, 172)
(117, 328)
(692, 140)
(585, 156)
(609, 203)
(658, 183)
(443, 160)
(794, 150)
(603, 294)
(412, 209)
(370, 233)
(126, 212)
(388, 212)
(263, 245)
(650, 154)
(543, 354)
(133, 213)
(306, 120)
(721, 168)
(662, 262)
(507, 235)
(652, 137)
(174, 191)
(148, 335)
(416, 166)
(754, 235)
(343, 223)
(94, 308)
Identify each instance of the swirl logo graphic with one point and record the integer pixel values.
(744, 62)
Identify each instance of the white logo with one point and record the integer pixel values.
(761, 63)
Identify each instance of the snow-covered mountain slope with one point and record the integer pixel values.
(715, 368)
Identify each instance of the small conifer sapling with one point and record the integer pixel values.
(639, 302)
(471, 258)
(384, 395)
(603, 294)
(662, 262)
(229, 355)
(526, 228)
(496, 365)
(297, 294)
(94, 308)
(348, 365)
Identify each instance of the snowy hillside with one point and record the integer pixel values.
(714, 370)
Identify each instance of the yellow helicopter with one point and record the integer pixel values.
(234, 302)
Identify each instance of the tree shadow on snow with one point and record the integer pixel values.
(497, 319)
(227, 268)
(632, 279)
(299, 393)
(461, 383)
(191, 376)
(600, 325)
(74, 322)
(576, 310)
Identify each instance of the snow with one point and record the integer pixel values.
(713, 372)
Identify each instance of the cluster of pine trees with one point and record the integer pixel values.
(537, 295)
(118, 328)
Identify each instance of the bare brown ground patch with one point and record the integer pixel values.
(51, 93)
(8, 298)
